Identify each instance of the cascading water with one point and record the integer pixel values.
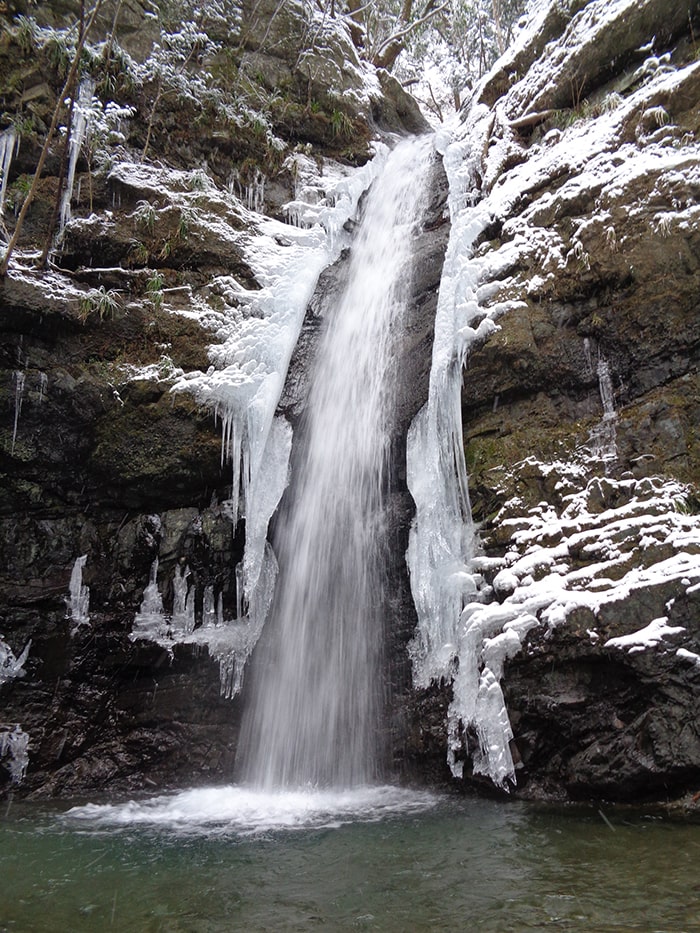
(316, 697)
(309, 753)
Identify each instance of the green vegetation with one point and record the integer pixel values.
(138, 254)
(99, 302)
(154, 290)
(145, 216)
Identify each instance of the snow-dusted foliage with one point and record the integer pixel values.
(445, 57)
(95, 128)
(171, 64)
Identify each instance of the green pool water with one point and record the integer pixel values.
(424, 864)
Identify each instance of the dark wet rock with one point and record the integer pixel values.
(396, 110)
(609, 723)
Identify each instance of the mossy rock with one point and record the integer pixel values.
(153, 452)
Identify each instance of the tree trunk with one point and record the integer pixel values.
(387, 55)
(357, 23)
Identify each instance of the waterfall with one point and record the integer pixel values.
(316, 699)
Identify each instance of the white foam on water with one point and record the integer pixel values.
(243, 810)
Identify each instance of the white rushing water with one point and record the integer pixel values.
(250, 359)
(316, 691)
(244, 811)
(309, 750)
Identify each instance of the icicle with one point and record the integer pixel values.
(603, 437)
(150, 622)
(240, 588)
(605, 387)
(19, 395)
(182, 622)
(14, 749)
(43, 386)
(9, 146)
(79, 126)
(450, 640)
(208, 607)
(79, 596)
(255, 193)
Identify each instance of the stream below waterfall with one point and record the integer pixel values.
(402, 861)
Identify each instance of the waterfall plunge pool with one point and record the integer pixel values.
(229, 859)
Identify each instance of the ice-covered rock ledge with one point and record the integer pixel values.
(609, 568)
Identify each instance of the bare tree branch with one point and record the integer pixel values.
(391, 48)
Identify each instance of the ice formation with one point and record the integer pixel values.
(78, 595)
(14, 752)
(229, 641)
(150, 622)
(603, 438)
(441, 538)
(9, 145)
(452, 623)
(182, 619)
(11, 666)
(19, 379)
(257, 334)
(78, 129)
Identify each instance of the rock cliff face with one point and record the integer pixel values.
(580, 411)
